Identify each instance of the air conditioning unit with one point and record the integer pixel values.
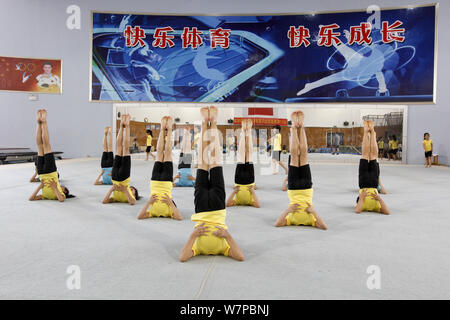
(346, 123)
(230, 121)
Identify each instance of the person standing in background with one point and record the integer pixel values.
(276, 151)
(428, 147)
(149, 145)
(381, 148)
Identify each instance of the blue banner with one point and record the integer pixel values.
(378, 57)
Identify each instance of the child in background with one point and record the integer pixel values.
(428, 147)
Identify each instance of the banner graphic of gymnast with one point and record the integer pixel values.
(30, 75)
(377, 56)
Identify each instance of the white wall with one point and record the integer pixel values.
(75, 123)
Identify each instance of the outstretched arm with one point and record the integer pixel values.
(97, 181)
(362, 196)
(143, 214)
(108, 198)
(187, 252)
(230, 200)
(256, 203)
(281, 221)
(131, 199)
(34, 196)
(61, 197)
(33, 178)
(235, 251)
(284, 186)
(384, 209)
(319, 221)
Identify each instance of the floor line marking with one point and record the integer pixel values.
(205, 279)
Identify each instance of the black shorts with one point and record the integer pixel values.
(121, 168)
(244, 174)
(393, 151)
(369, 173)
(299, 178)
(148, 149)
(162, 171)
(276, 155)
(209, 194)
(46, 163)
(107, 160)
(428, 154)
(185, 160)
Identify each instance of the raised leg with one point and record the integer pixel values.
(365, 149)
(216, 154)
(249, 142)
(45, 134)
(39, 142)
(105, 140)
(126, 138)
(168, 140)
(161, 140)
(119, 138)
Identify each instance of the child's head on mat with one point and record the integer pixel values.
(135, 193)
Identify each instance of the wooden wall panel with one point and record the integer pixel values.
(316, 135)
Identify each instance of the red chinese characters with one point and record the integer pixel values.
(220, 38)
(327, 36)
(392, 32)
(298, 36)
(191, 38)
(134, 36)
(162, 38)
(360, 34)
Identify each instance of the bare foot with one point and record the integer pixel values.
(43, 115)
(371, 126)
(126, 120)
(244, 124)
(300, 117)
(38, 116)
(249, 124)
(205, 114)
(164, 123)
(107, 130)
(169, 123)
(366, 125)
(213, 112)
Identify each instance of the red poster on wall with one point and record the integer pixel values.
(263, 121)
(30, 75)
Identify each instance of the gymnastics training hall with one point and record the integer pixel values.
(239, 150)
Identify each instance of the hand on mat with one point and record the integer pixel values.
(153, 199)
(201, 230)
(220, 232)
(294, 207)
(166, 199)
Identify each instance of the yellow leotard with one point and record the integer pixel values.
(210, 244)
(369, 204)
(428, 145)
(277, 142)
(381, 144)
(301, 217)
(119, 196)
(244, 197)
(159, 208)
(47, 192)
(393, 144)
(149, 140)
